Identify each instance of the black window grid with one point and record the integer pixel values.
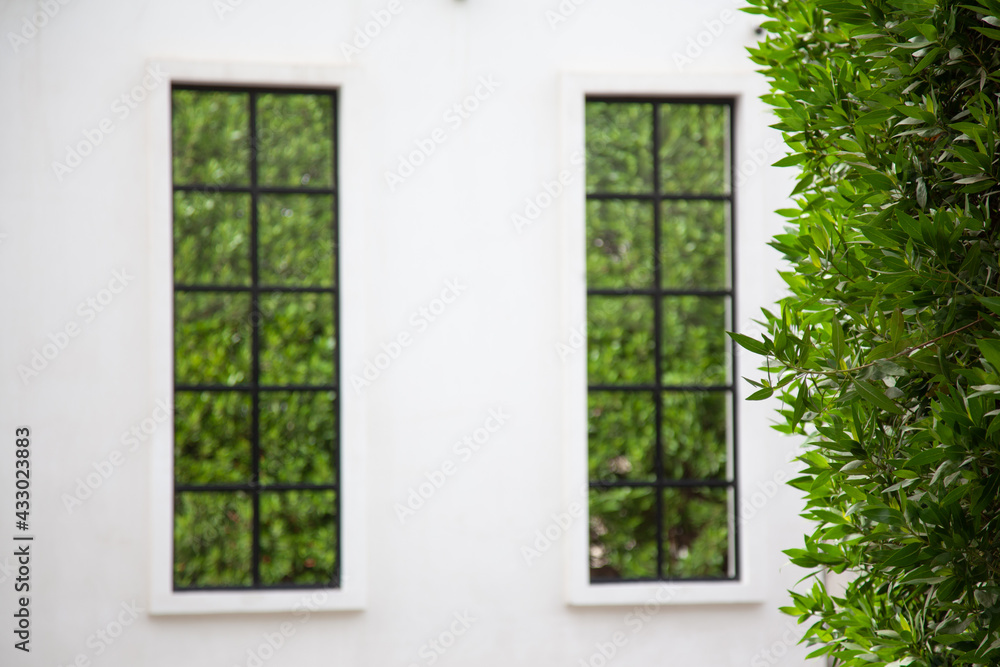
(657, 292)
(255, 388)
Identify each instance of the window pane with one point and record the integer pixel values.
(619, 147)
(694, 340)
(211, 137)
(295, 136)
(297, 339)
(212, 441)
(694, 148)
(296, 240)
(667, 433)
(619, 244)
(211, 238)
(694, 431)
(696, 532)
(620, 346)
(694, 245)
(298, 539)
(212, 536)
(622, 432)
(271, 322)
(622, 533)
(297, 437)
(212, 338)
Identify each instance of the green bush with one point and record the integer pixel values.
(886, 355)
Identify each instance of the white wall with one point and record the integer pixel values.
(62, 239)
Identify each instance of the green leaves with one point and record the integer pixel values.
(991, 351)
(875, 396)
(887, 351)
(749, 343)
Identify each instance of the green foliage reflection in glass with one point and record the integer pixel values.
(254, 217)
(657, 260)
(297, 438)
(694, 146)
(298, 537)
(211, 137)
(295, 140)
(296, 339)
(212, 539)
(623, 533)
(212, 234)
(212, 437)
(619, 147)
(296, 239)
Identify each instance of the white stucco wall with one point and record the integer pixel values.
(63, 238)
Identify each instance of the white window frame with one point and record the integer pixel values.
(351, 594)
(751, 427)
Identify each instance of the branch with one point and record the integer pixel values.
(907, 351)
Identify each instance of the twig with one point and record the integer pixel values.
(907, 351)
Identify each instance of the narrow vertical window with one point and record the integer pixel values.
(661, 447)
(256, 429)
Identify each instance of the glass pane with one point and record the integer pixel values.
(212, 338)
(694, 147)
(298, 537)
(296, 240)
(619, 244)
(212, 443)
(694, 244)
(694, 431)
(211, 238)
(212, 539)
(619, 147)
(210, 138)
(297, 339)
(297, 435)
(295, 136)
(622, 533)
(620, 346)
(696, 532)
(694, 340)
(622, 435)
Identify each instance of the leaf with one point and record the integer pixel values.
(921, 193)
(748, 343)
(904, 556)
(989, 32)
(791, 160)
(884, 515)
(990, 347)
(991, 302)
(761, 394)
(838, 338)
(894, 393)
(789, 212)
(973, 179)
(926, 457)
(876, 117)
(955, 495)
(876, 179)
(890, 368)
(875, 396)
(994, 428)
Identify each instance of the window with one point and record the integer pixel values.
(256, 453)
(660, 297)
